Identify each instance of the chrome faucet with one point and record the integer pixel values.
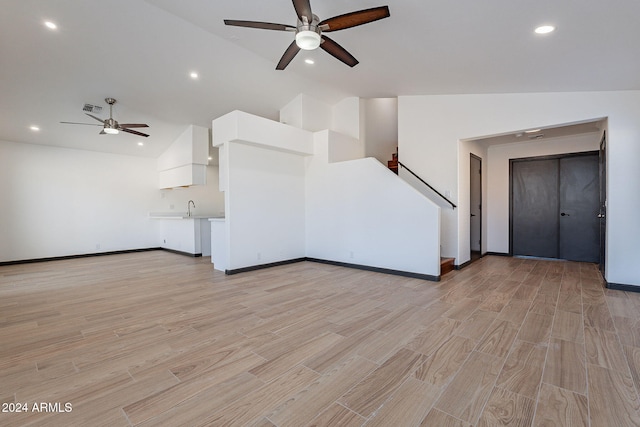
(189, 207)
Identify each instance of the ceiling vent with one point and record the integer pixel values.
(538, 136)
(89, 108)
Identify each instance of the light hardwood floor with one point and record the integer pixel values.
(158, 339)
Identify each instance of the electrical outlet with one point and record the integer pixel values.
(98, 246)
(171, 207)
(259, 256)
(164, 241)
(351, 254)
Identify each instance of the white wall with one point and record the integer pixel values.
(430, 127)
(338, 147)
(60, 201)
(348, 117)
(262, 176)
(497, 199)
(290, 193)
(292, 113)
(359, 212)
(374, 121)
(251, 129)
(265, 212)
(381, 128)
(306, 112)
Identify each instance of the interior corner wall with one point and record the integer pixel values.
(191, 147)
(381, 128)
(429, 128)
(265, 205)
(291, 114)
(498, 197)
(347, 117)
(340, 147)
(60, 202)
(306, 112)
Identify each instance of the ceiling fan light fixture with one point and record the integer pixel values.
(544, 29)
(111, 131)
(111, 126)
(308, 40)
(310, 30)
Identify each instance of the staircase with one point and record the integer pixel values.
(393, 163)
(446, 265)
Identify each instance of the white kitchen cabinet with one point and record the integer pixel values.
(183, 176)
(188, 235)
(184, 163)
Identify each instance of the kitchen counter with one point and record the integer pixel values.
(183, 215)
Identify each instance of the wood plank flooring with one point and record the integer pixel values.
(159, 339)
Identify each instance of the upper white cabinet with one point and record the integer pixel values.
(184, 163)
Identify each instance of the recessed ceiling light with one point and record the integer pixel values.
(210, 158)
(544, 29)
(141, 143)
(532, 130)
(193, 75)
(34, 128)
(50, 25)
(309, 61)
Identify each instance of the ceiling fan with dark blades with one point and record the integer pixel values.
(309, 30)
(110, 125)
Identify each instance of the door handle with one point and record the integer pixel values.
(473, 214)
(600, 215)
(564, 214)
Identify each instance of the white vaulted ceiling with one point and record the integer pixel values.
(141, 53)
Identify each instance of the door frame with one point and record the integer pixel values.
(479, 159)
(602, 169)
(534, 158)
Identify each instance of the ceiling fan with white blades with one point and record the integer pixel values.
(111, 126)
(309, 30)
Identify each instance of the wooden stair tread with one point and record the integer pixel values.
(446, 265)
(393, 163)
